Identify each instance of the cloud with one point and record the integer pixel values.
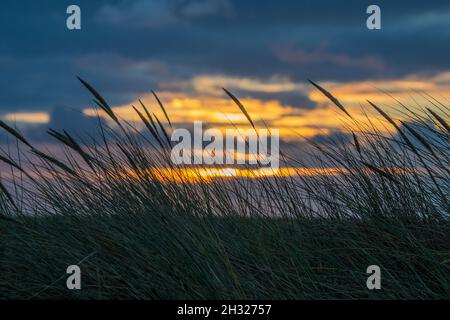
(320, 56)
(213, 84)
(258, 49)
(404, 88)
(161, 13)
(73, 121)
(295, 99)
(27, 117)
(205, 8)
(137, 13)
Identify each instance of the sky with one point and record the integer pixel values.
(187, 50)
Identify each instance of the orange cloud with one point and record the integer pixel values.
(28, 117)
(215, 109)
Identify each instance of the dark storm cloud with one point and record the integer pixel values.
(294, 99)
(129, 47)
(62, 118)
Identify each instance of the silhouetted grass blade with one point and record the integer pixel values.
(241, 107)
(15, 133)
(162, 108)
(355, 140)
(440, 120)
(54, 161)
(331, 97)
(99, 100)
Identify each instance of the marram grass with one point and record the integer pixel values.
(136, 236)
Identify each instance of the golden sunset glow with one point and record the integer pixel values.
(211, 106)
(411, 90)
(290, 121)
(207, 175)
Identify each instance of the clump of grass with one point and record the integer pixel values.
(103, 205)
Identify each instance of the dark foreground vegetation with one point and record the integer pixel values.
(135, 235)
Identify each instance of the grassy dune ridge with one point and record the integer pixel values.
(137, 236)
